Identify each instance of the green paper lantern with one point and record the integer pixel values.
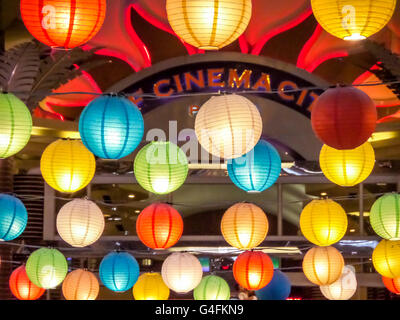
(385, 216)
(46, 268)
(15, 125)
(212, 288)
(161, 167)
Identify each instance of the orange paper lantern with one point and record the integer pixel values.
(22, 288)
(159, 226)
(63, 23)
(253, 270)
(392, 284)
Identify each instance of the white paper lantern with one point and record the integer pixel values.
(80, 223)
(228, 126)
(181, 272)
(342, 289)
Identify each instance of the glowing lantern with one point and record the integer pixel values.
(393, 285)
(257, 170)
(347, 168)
(80, 285)
(111, 127)
(67, 166)
(22, 288)
(323, 265)
(323, 222)
(181, 272)
(15, 125)
(209, 25)
(119, 271)
(344, 117)
(385, 216)
(342, 289)
(13, 217)
(63, 23)
(278, 289)
(212, 288)
(244, 226)
(228, 126)
(353, 19)
(161, 167)
(150, 286)
(386, 258)
(159, 226)
(253, 270)
(80, 223)
(46, 268)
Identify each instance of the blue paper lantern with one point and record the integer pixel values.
(13, 217)
(278, 288)
(111, 127)
(257, 170)
(119, 271)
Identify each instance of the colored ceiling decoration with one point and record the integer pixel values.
(212, 288)
(66, 24)
(13, 217)
(23, 288)
(150, 286)
(342, 289)
(278, 289)
(385, 216)
(386, 258)
(80, 285)
(392, 284)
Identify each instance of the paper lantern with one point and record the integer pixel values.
(257, 170)
(244, 226)
(347, 168)
(80, 223)
(278, 289)
(111, 127)
(159, 226)
(46, 268)
(22, 288)
(181, 272)
(13, 217)
(253, 270)
(385, 216)
(15, 125)
(323, 265)
(161, 167)
(228, 126)
(80, 285)
(386, 258)
(119, 271)
(212, 288)
(344, 117)
(209, 25)
(63, 23)
(67, 166)
(392, 284)
(323, 222)
(353, 19)
(150, 286)
(342, 289)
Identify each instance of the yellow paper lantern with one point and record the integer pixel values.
(347, 168)
(80, 223)
(67, 165)
(323, 265)
(342, 289)
(211, 24)
(386, 258)
(323, 222)
(228, 126)
(353, 19)
(244, 226)
(80, 285)
(150, 286)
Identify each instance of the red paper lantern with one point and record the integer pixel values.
(63, 23)
(393, 285)
(344, 118)
(253, 270)
(159, 226)
(22, 288)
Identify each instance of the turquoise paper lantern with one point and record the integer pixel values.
(111, 127)
(13, 217)
(257, 170)
(278, 289)
(119, 271)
